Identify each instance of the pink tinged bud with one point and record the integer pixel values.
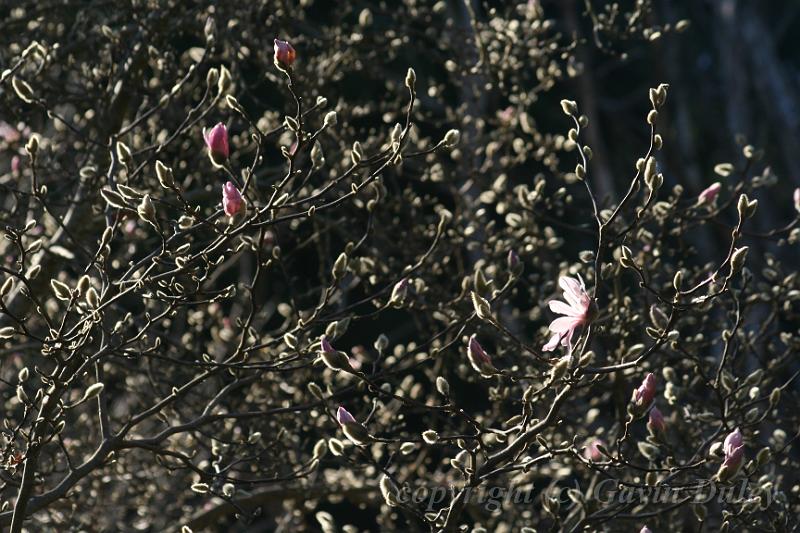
(732, 441)
(797, 199)
(400, 290)
(343, 416)
(326, 347)
(284, 54)
(710, 193)
(733, 460)
(592, 451)
(512, 260)
(477, 351)
(647, 390)
(15, 164)
(643, 396)
(656, 421)
(478, 358)
(232, 201)
(217, 143)
(645, 529)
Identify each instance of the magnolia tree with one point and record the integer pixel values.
(291, 283)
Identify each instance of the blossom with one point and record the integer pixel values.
(479, 359)
(643, 396)
(217, 143)
(284, 54)
(578, 310)
(232, 201)
(645, 529)
(16, 162)
(656, 421)
(710, 193)
(797, 199)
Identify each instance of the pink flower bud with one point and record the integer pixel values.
(512, 260)
(710, 193)
(797, 199)
(643, 396)
(15, 164)
(217, 143)
(284, 54)
(326, 346)
(479, 359)
(477, 352)
(733, 460)
(232, 201)
(656, 422)
(592, 452)
(343, 416)
(645, 529)
(732, 441)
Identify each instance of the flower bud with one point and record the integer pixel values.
(232, 201)
(330, 118)
(481, 306)
(354, 431)
(569, 107)
(643, 396)
(217, 144)
(411, 78)
(333, 359)
(164, 174)
(430, 436)
(442, 386)
(212, 77)
(284, 54)
(513, 263)
(339, 267)
(737, 260)
(147, 211)
(225, 80)
(399, 292)
(479, 359)
(655, 422)
(451, 138)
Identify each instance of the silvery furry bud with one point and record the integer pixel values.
(737, 259)
(330, 118)
(164, 174)
(569, 107)
(147, 211)
(340, 267)
(411, 78)
(451, 138)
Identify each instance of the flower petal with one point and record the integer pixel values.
(562, 308)
(564, 324)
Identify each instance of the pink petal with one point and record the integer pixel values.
(557, 306)
(552, 343)
(563, 324)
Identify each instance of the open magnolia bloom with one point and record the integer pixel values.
(578, 309)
